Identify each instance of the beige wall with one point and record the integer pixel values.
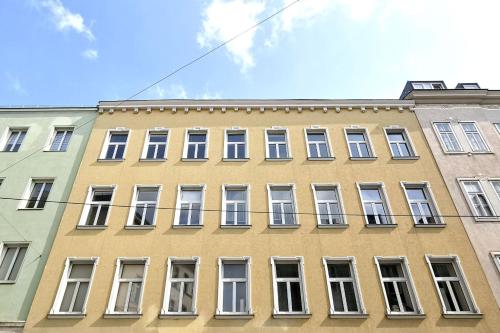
(260, 242)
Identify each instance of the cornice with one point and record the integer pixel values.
(455, 97)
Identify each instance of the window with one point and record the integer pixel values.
(196, 147)
(234, 286)
(470, 86)
(497, 125)
(128, 287)
(318, 145)
(289, 286)
(37, 193)
(115, 145)
(181, 286)
(399, 292)
(282, 205)
(155, 147)
(343, 286)
(14, 139)
(97, 206)
(494, 183)
(11, 259)
(60, 139)
(277, 144)
(329, 210)
(399, 142)
(189, 206)
(477, 199)
(144, 206)
(448, 138)
(75, 286)
(375, 204)
(421, 203)
(496, 259)
(451, 285)
(428, 85)
(359, 143)
(236, 145)
(235, 205)
(474, 137)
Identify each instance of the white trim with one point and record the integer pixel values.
(323, 130)
(497, 126)
(385, 202)
(203, 189)
(6, 136)
(104, 149)
(156, 130)
(408, 141)
(236, 130)
(88, 202)
(490, 180)
(294, 205)
(336, 188)
(3, 251)
(472, 209)
(248, 263)
(476, 126)
(195, 130)
(29, 188)
(246, 188)
(287, 143)
(426, 187)
(440, 139)
(52, 136)
(133, 205)
(368, 140)
(495, 255)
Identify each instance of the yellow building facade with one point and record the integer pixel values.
(261, 215)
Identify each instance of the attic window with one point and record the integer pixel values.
(428, 85)
(470, 86)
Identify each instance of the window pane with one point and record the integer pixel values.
(147, 194)
(459, 296)
(283, 151)
(416, 194)
(68, 297)
(350, 295)
(282, 297)
(279, 194)
(118, 138)
(102, 195)
(132, 271)
(241, 214)
(371, 194)
(277, 214)
(184, 214)
(272, 151)
(241, 151)
(276, 137)
(135, 295)
(231, 152)
(187, 297)
(236, 137)
(338, 305)
(81, 271)
(296, 296)
(201, 151)
(119, 151)
(356, 137)
(396, 137)
(191, 195)
(316, 137)
(234, 271)
(197, 137)
(195, 213)
(241, 296)
(339, 270)
(45, 195)
(236, 195)
(191, 150)
(443, 270)
(227, 297)
(354, 150)
(287, 270)
(185, 271)
(323, 149)
(364, 150)
(158, 138)
(289, 214)
(103, 214)
(313, 151)
(392, 298)
(17, 263)
(326, 194)
(404, 293)
(173, 304)
(121, 297)
(6, 262)
(80, 297)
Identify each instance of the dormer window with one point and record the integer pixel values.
(427, 85)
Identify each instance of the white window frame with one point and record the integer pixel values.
(156, 130)
(220, 290)
(109, 132)
(452, 132)
(133, 205)
(427, 85)
(472, 209)
(52, 136)
(29, 188)
(455, 261)
(385, 201)
(490, 180)
(225, 188)
(203, 189)
(88, 203)
(495, 255)
(322, 130)
(403, 261)
(351, 261)
(287, 142)
(3, 251)
(294, 204)
(335, 187)
(68, 264)
(110, 310)
(236, 130)
(6, 136)
(364, 131)
(195, 130)
(168, 285)
(305, 313)
(431, 200)
(408, 141)
(481, 136)
(497, 126)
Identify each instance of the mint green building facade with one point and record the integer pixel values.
(40, 153)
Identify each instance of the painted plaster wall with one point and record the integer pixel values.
(485, 236)
(38, 227)
(260, 242)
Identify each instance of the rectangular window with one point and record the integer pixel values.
(448, 138)
(181, 286)
(60, 138)
(235, 205)
(115, 145)
(75, 286)
(14, 139)
(375, 204)
(474, 137)
(234, 286)
(452, 288)
(277, 144)
(97, 206)
(155, 147)
(289, 286)
(359, 143)
(144, 206)
(196, 146)
(496, 259)
(399, 141)
(494, 183)
(343, 287)
(282, 205)
(477, 199)
(236, 145)
(497, 126)
(190, 205)
(399, 292)
(422, 205)
(11, 259)
(38, 192)
(329, 210)
(128, 286)
(318, 145)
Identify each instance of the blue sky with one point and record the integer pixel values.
(68, 52)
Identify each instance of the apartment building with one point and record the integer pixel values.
(261, 215)
(40, 152)
(462, 126)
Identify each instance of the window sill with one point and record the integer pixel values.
(91, 227)
(490, 219)
(185, 159)
(187, 226)
(152, 159)
(187, 315)
(333, 226)
(270, 159)
(110, 159)
(321, 158)
(481, 153)
(225, 159)
(362, 158)
(405, 157)
(348, 315)
(284, 226)
(292, 315)
(7, 282)
(140, 227)
(390, 225)
(11, 324)
(405, 315)
(229, 316)
(235, 226)
(66, 315)
(24, 208)
(436, 225)
(122, 315)
(462, 315)
(55, 151)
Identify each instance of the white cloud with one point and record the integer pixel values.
(64, 19)
(14, 84)
(174, 91)
(90, 54)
